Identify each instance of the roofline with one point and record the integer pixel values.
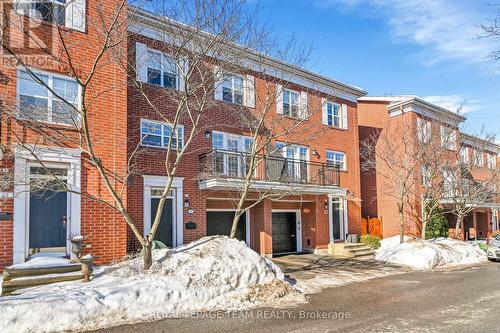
(472, 140)
(151, 19)
(385, 98)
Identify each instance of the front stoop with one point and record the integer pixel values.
(20, 278)
(351, 250)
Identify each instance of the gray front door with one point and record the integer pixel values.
(47, 219)
(284, 229)
(336, 220)
(164, 231)
(220, 223)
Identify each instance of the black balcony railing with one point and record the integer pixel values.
(236, 165)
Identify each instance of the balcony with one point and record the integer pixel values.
(220, 169)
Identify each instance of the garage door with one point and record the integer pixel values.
(219, 223)
(284, 229)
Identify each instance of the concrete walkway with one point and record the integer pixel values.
(310, 273)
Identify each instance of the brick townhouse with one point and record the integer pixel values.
(46, 220)
(386, 117)
(319, 212)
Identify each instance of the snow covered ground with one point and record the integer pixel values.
(429, 254)
(213, 273)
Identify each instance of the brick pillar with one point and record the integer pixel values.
(262, 228)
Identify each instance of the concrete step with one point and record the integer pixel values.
(354, 245)
(362, 253)
(17, 283)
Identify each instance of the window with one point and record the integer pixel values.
(158, 134)
(478, 158)
(448, 183)
(424, 130)
(68, 13)
(336, 158)
(231, 142)
(36, 102)
(162, 69)
(291, 103)
(426, 176)
(492, 161)
(333, 113)
(448, 138)
(233, 90)
(464, 155)
(230, 158)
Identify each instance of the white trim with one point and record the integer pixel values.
(150, 181)
(163, 143)
(343, 217)
(345, 230)
(247, 220)
(231, 184)
(298, 225)
(62, 157)
(344, 168)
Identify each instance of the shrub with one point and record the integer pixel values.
(437, 226)
(371, 241)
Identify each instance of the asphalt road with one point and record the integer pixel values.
(466, 300)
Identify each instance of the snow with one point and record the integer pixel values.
(43, 261)
(429, 254)
(213, 273)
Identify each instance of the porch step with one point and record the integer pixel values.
(358, 250)
(36, 274)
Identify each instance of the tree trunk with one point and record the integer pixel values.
(401, 225)
(234, 226)
(424, 229)
(460, 220)
(146, 254)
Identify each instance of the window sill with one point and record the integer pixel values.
(68, 127)
(231, 103)
(336, 128)
(159, 148)
(54, 25)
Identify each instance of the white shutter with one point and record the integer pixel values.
(76, 15)
(344, 116)
(182, 72)
(324, 111)
(218, 83)
(303, 105)
(279, 99)
(250, 91)
(141, 67)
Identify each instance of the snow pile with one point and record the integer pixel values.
(213, 273)
(429, 254)
(43, 261)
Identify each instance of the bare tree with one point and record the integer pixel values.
(199, 35)
(491, 30)
(472, 182)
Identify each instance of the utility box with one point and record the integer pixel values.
(352, 238)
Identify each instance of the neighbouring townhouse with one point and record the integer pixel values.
(30, 222)
(203, 199)
(397, 118)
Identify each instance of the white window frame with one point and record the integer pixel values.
(342, 164)
(297, 153)
(478, 158)
(74, 12)
(492, 161)
(448, 183)
(424, 130)
(164, 58)
(464, 155)
(290, 91)
(426, 177)
(331, 115)
(232, 77)
(448, 137)
(50, 96)
(163, 137)
(231, 154)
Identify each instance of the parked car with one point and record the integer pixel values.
(493, 251)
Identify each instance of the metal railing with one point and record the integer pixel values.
(236, 165)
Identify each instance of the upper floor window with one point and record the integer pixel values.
(448, 183)
(68, 13)
(478, 158)
(336, 158)
(424, 130)
(464, 155)
(57, 100)
(291, 103)
(294, 152)
(426, 176)
(158, 68)
(492, 161)
(159, 134)
(234, 88)
(162, 69)
(334, 114)
(448, 137)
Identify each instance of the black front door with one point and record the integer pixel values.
(164, 231)
(220, 223)
(284, 232)
(47, 219)
(336, 219)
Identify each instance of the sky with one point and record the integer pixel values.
(427, 48)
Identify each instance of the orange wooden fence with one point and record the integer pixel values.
(372, 226)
